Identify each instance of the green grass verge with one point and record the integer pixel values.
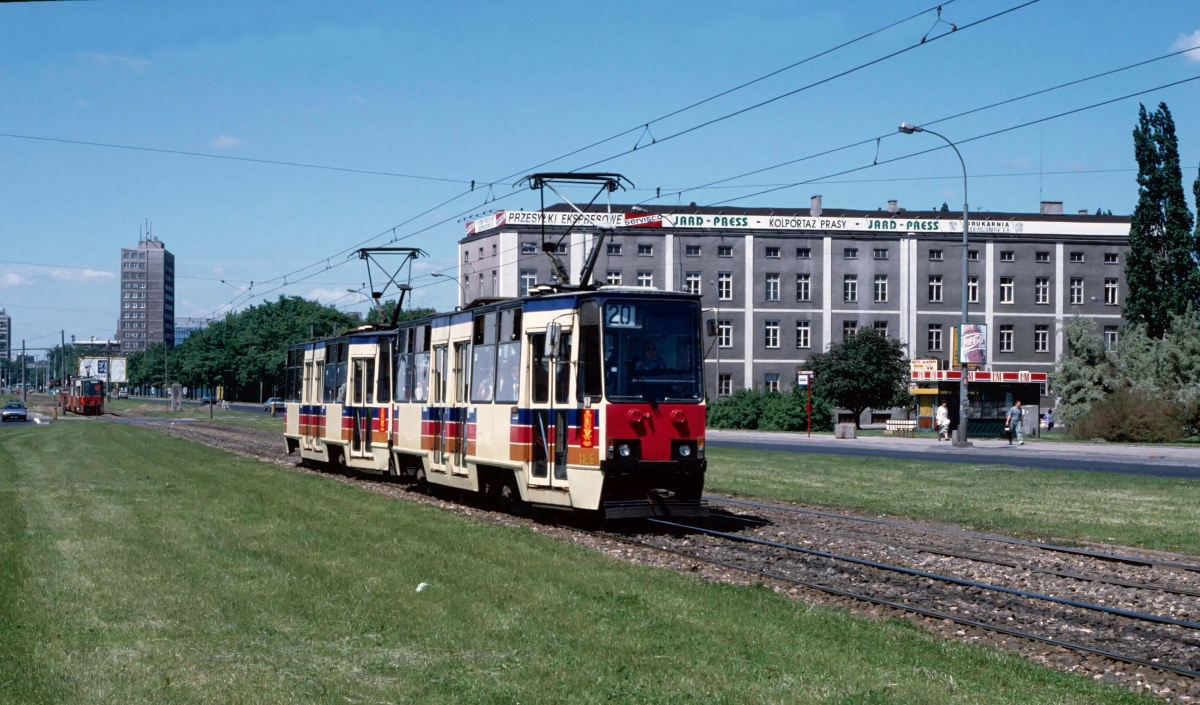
(1130, 510)
(136, 567)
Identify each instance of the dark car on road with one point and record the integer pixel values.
(15, 411)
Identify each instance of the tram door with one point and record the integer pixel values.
(438, 408)
(549, 396)
(362, 389)
(313, 382)
(458, 427)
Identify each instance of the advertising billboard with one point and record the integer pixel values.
(111, 369)
(972, 344)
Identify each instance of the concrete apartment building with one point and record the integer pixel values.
(783, 282)
(5, 335)
(147, 296)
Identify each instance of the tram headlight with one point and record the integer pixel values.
(685, 451)
(624, 450)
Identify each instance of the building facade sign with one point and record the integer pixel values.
(881, 224)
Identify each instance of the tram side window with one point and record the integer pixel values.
(508, 358)
(540, 369)
(304, 386)
(404, 365)
(335, 373)
(483, 358)
(384, 383)
(587, 386)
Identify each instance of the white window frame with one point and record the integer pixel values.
(725, 333)
(850, 288)
(803, 335)
(934, 337)
(936, 288)
(1077, 293)
(1004, 343)
(1041, 290)
(724, 286)
(771, 287)
(1007, 289)
(771, 334)
(804, 287)
(881, 288)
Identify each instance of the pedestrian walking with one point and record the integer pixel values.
(943, 422)
(1013, 421)
(1048, 419)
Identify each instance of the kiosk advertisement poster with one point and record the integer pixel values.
(972, 344)
(111, 369)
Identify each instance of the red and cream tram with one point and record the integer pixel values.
(587, 400)
(83, 396)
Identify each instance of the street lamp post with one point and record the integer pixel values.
(963, 405)
(717, 327)
(456, 281)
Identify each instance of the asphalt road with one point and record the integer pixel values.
(1026, 456)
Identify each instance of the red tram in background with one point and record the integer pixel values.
(83, 396)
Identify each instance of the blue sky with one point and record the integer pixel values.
(482, 90)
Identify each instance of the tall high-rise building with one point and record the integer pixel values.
(147, 296)
(5, 335)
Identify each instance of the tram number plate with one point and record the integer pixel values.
(588, 457)
(621, 316)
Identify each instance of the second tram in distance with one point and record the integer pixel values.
(583, 400)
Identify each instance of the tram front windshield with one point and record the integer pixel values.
(91, 389)
(651, 351)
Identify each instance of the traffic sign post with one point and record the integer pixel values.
(803, 378)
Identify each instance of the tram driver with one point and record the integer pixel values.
(650, 361)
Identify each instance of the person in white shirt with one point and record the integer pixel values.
(943, 421)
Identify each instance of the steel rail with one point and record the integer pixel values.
(986, 559)
(1132, 560)
(1140, 616)
(906, 607)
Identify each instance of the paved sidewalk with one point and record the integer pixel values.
(1170, 461)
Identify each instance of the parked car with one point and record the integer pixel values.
(206, 400)
(14, 411)
(123, 394)
(274, 404)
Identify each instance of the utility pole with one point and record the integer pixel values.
(62, 348)
(717, 315)
(24, 386)
(166, 379)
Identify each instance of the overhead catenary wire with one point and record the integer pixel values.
(827, 79)
(947, 118)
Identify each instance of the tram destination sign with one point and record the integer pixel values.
(707, 221)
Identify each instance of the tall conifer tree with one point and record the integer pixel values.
(1161, 269)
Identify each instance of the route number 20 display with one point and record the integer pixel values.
(621, 316)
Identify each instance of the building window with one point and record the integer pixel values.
(935, 289)
(1111, 338)
(724, 250)
(481, 282)
(849, 328)
(493, 250)
(528, 248)
(613, 249)
(528, 281)
(692, 251)
(880, 253)
(973, 290)
(772, 253)
(772, 287)
(1110, 292)
(612, 278)
(645, 250)
(645, 280)
(1042, 258)
(771, 334)
(881, 292)
(1076, 258)
(725, 286)
(724, 384)
(691, 282)
(850, 288)
(935, 256)
(1006, 290)
(972, 255)
(1041, 290)
(804, 287)
(935, 337)
(850, 253)
(466, 256)
(803, 253)
(725, 333)
(1007, 256)
(880, 327)
(1111, 258)
(1076, 291)
(1006, 339)
(771, 380)
(494, 291)
(1041, 338)
(803, 334)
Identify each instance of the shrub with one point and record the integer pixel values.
(769, 411)
(1132, 415)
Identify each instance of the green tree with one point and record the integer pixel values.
(145, 367)
(945, 207)
(1161, 268)
(389, 307)
(867, 371)
(1086, 375)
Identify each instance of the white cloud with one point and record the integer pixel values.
(117, 60)
(225, 142)
(67, 275)
(326, 295)
(1188, 41)
(10, 279)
